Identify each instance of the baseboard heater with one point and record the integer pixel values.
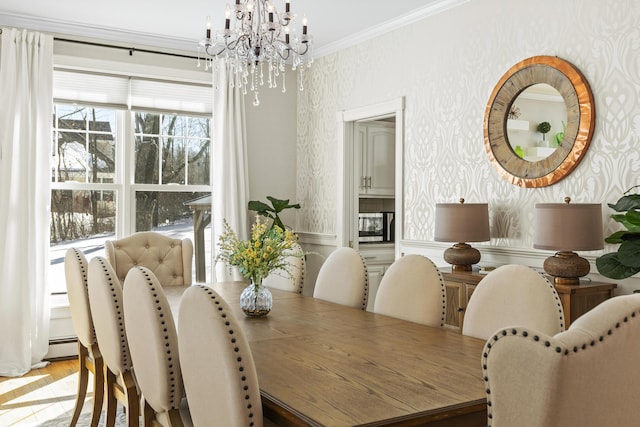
(62, 348)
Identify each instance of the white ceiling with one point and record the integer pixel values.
(333, 24)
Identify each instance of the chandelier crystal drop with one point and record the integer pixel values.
(258, 42)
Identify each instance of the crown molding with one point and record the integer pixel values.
(85, 32)
(385, 27)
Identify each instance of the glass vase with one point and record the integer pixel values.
(256, 300)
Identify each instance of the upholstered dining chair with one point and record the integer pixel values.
(513, 295)
(105, 297)
(219, 372)
(586, 376)
(168, 258)
(76, 269)
(153, 343)
(293, 280)
(343, 279)
(412, 289)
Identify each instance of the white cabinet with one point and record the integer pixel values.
(377, 158)
(378, 258)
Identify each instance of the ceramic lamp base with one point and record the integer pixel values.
(566, 268)
(462, 256)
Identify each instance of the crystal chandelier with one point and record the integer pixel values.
(257, 45)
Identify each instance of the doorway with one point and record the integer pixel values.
(349, 172)
(370, 138)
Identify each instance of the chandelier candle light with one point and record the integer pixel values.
(258, 37)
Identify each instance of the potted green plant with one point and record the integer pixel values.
(625, 262)
(272, 211)
(543, 128)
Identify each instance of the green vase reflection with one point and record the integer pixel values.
(519, 151)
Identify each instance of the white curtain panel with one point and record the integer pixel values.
(26, 69)
(230, 175)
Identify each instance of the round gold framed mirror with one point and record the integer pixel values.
(564, 147)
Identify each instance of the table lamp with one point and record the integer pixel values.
(460, 222)
(566, 227)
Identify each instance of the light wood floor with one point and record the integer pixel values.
(40, 395)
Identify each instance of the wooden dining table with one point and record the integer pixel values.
(324, 364)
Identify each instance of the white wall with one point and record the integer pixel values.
(446, 67)
(271, 136)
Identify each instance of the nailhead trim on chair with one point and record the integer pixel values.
(173, 399)
(236, 349)
(558, 302)
(83, 268)
(365, 296)
(126, 360)
(546, 343)
(302, 273)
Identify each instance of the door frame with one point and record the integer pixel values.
(347, 207)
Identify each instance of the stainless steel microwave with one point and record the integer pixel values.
(376, 227)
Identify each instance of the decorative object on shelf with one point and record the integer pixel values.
(560, 135)
(625, 262)
(460, 222)
(256, 36)
(272, 211)
(543, 128)
(255, 259)
(514, 112)
(519, 151)
(566, 227)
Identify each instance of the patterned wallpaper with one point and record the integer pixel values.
(446, 67)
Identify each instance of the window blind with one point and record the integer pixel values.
(131, 92)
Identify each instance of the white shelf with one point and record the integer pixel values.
(517, 125)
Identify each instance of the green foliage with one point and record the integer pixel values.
(560, 135)
(272, 211)
(625, 262)
(544, 127)
(258, 256)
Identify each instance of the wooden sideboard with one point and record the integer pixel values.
(576, 299)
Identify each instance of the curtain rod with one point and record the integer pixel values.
(130, 49)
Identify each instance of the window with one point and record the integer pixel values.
(117, 169)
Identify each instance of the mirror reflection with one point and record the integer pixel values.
(566, 118)
(536, 123)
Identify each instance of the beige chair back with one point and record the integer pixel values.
(153, 341)
(513, 295)
(586, 376)
(105, 297)
(412, 289)
(343, 279)
(90, 360)
(293, 280)
(76, 269)
(169, 259)
(219, 372)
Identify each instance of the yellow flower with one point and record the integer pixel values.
(259, 255)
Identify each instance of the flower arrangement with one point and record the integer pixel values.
(262, 253)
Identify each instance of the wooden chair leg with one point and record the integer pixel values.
(83, 379)
(132, 404)
(98, 385)
(111, 401)
(147, 414)
(175, 420)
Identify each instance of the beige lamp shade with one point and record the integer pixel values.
(462, 222)
(568, 226)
